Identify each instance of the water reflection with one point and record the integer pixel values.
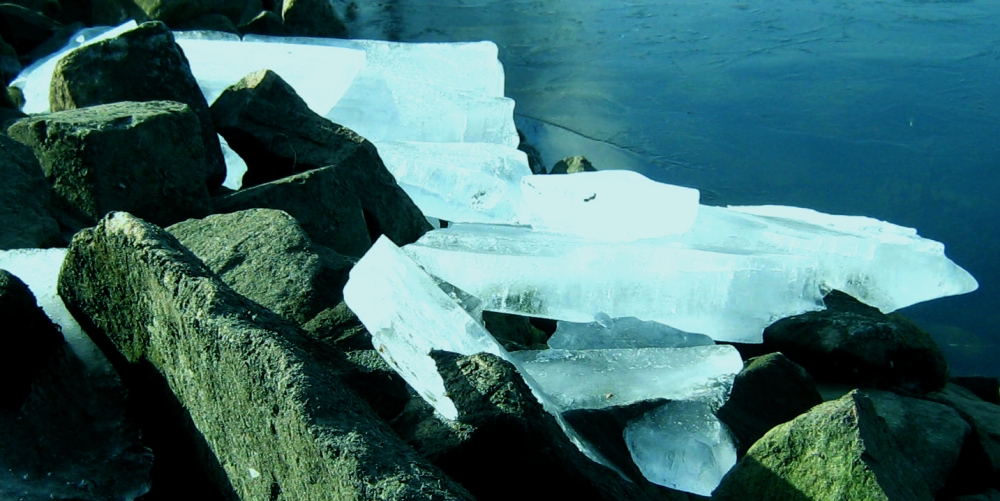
(887, 109)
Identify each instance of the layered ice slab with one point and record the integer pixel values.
(682, 445)
(443, 92)
(612, 205)
(731, 275)
(320, 74)
(595, 379)
(729, 296)
(467, 182)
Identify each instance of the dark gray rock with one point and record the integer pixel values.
(264, 23)
(989, 495)
(96, 12)
(572, 165)
(26, 213)
(982, 461)
(514, 332)
(266, 256)
(928, 434)
(23, 28)
(502, 433)
(29, 340)
(268, 124)
(263, 416)
(535, 162)
(855, 344)
(206, 22)
(312, 18)
(73, 439)
(48, 8)
(146, 157)
(770, 390)
(10, 66)
(838, 450)
(143, 64)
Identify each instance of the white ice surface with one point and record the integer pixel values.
(612, 205)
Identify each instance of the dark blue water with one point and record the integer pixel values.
(889, 109)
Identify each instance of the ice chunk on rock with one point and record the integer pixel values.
(628, 332)
(613, 205)
(459, 182)
(319, 74)
(682, 445)
(408, 315)
(594, 379)
(729, 296)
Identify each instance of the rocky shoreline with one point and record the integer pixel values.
(239, 373)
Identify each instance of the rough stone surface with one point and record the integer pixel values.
(982, 466)
(266, 256)
(929, 435)
(141, 157)
(73, 438)
(572, 165)
(140, 65)
(26, 213)
(984, 387)
(855, 344)
(312, 18)
(29, 340)
(838, 450)
(770, 390)
(502, 433)
(261, 415)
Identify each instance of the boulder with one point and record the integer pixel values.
(571, 165)
(26, 213)
(207, 22)
(855, 344)
(74, 438)
(264, 23)
(989, 495)
(930, 435)
(770, 390)
(48, 8)
(514, 332)
(265, 255)
(312, 18)
(838, 450)
(983, 461)
(175, 13)
(144, 64)
(29, 339)
(984, 387)
(271, 127)
(143, 157)
(23, 28)
(248, 401)
(10, 66)
(503, 437)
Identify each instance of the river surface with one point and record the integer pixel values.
(889, 109)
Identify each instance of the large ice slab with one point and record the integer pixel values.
(446, 92)
(613, 205)
(595, 379)
(730, 296)
(628, 332)
(39, 270)
(879, 263)
(682, 445)
(467, 182)
(319, 74)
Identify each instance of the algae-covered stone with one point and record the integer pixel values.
(26, 213)
(770, 390)
(266, 256)
(144, 64)
(838, 450)
(263, 417)
(143, 157)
